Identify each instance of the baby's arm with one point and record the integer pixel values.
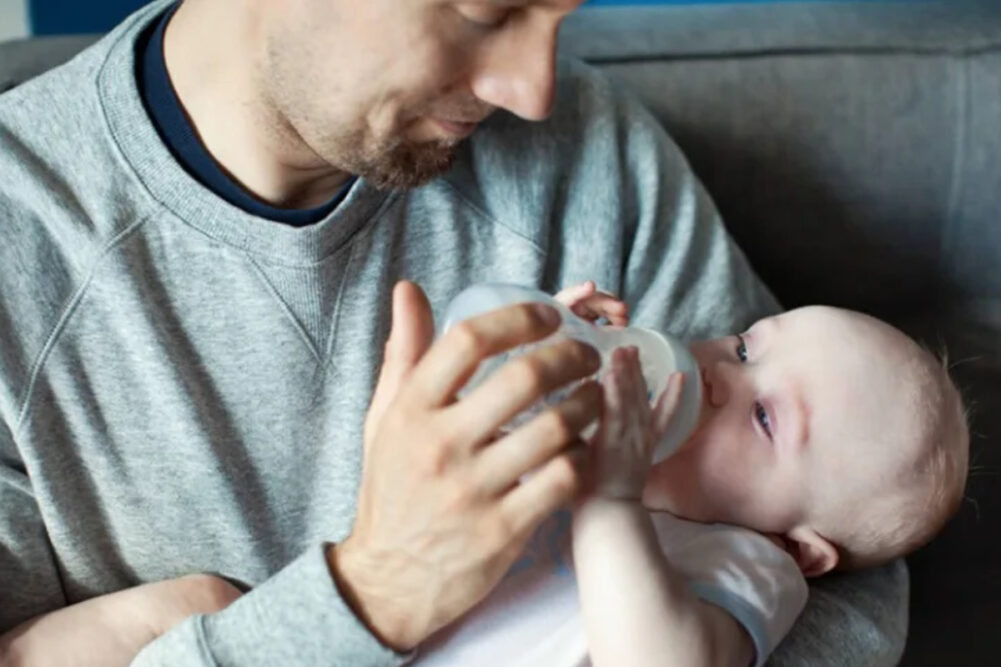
(112, 629)
(637, 609)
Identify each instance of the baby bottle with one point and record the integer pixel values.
(659, 355)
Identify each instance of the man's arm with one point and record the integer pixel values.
(37, 628)
(440, 518)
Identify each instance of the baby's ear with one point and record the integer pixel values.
(814, 554)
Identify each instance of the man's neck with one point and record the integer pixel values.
(212, 52)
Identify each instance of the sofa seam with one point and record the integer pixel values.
(792, 52)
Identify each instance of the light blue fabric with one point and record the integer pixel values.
(745, 614)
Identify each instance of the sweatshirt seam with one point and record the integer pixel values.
(336, 318)
(489, 218)
(285, 308)
(108, 125)
(64, 318)
(203, 642)
(752, 53)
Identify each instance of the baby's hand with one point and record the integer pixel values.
(622, 447)
(587, 302)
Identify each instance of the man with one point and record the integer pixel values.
(201, 222)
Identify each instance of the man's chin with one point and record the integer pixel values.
(410, 165)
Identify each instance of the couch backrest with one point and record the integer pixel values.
(853, 149)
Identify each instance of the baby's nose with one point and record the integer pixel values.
(721, 379)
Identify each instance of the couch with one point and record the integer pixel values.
(854, 151)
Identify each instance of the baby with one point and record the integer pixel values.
(827, 440)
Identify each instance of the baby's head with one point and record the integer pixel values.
(827, 429)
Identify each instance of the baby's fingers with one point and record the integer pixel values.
(667, 403)
(608, 306)
(572, 296)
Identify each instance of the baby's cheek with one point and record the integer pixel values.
(672, 487)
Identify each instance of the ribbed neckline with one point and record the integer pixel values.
(172, 186)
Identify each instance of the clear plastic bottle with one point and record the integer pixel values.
(660, 355)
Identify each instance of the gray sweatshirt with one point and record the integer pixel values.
(182, 385)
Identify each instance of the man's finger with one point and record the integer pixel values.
(538, 496)
(453, 359)
(518, 384)
(502, 463)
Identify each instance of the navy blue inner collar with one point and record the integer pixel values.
(177, 132)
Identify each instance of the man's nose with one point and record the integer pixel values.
(518, 71)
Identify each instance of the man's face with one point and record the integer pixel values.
(387, 88)
(793, 416)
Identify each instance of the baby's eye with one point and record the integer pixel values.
(741, 348)
(762, 416)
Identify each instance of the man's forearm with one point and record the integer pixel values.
(637, 609)
(111, 629)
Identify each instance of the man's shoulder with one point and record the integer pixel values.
(65, 193)
(587, 110)
(516, 170)
(63, 175)
(56, 100)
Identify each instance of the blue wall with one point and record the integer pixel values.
(54, 17)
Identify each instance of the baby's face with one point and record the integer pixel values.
(792, 411)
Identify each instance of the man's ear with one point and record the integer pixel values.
(814, 554)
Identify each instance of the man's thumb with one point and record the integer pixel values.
(412, 330)
(410, 335)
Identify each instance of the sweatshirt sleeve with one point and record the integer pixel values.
(295, 618)
(29, 581)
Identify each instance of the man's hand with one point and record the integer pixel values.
(442, 509)
(622, 447)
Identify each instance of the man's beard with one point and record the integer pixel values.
(403, 164)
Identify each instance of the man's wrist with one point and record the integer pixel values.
(359, 587)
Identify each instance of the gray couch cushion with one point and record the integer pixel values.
(22, 59)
